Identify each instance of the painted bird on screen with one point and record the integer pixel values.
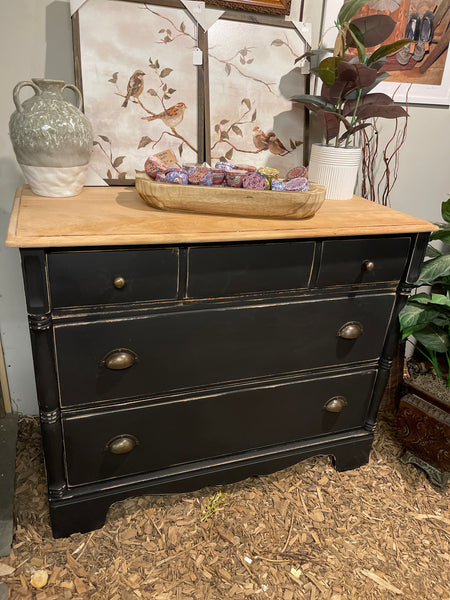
(275, 145)
(171, 116)
(135, 86)
(260, 139)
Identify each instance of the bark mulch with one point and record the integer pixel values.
(308, 532)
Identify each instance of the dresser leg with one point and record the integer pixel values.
(352, 456)
(67, 518)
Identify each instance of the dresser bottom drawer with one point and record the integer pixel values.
(169, 433)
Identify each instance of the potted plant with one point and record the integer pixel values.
(346, 105)
(424, 411)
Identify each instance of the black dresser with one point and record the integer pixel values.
(174, 351)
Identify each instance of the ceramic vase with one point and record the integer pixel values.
(51, 137)
(335, 168)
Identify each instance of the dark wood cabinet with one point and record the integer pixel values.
(215, 350)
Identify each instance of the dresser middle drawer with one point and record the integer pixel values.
(158, 353)
(80, 278)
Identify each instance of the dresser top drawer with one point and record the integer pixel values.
(111, 277)
(230, 270)
(363, 260)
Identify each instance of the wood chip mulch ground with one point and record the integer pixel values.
(378, 532)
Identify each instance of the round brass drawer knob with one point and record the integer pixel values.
(351, 330)
(368, 265)
(119, 359)
(119, 282)
(122, 444)
(336, 404)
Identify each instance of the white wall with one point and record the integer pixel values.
(35, 41)
(424, 174)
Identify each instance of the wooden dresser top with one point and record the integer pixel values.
(107, 216)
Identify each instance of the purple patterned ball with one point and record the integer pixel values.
(234, 178)
(160, 177)
(278, 185)
(297, 172)
(298, 184)
(255, 181)
(177, 176)
(224, 166)
(198, 174)
(207, 179)
(218, 176)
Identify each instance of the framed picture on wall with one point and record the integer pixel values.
(420, 73)
(272, 7)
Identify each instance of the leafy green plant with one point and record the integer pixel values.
(426, 316)
(349, 76)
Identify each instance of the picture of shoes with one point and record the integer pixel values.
(425, 36)
(412, 33)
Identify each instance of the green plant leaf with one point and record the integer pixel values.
(390, 111)
(384, 51)
(437, 299)
(431, 252)
(446, 210)
(365, 90)
(314, 102)
(327, 70)
(349, 10)
(375, 29)
(412, 315)
(433, 338)
(355, 39)
(352, 130)
(351, 77)
(378, 99)
(442, 234)
(434, 269)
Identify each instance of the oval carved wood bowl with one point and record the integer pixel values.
(237, 202)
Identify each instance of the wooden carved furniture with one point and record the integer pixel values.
(424, 430)
(174, 351)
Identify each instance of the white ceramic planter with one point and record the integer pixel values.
(335, 168)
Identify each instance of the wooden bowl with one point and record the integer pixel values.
(235, 202)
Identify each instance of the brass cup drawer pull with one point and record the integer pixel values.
(351, 330)
(368, 265)
(119, 282)
(119, 359)
(122, 444)
(336, 404)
